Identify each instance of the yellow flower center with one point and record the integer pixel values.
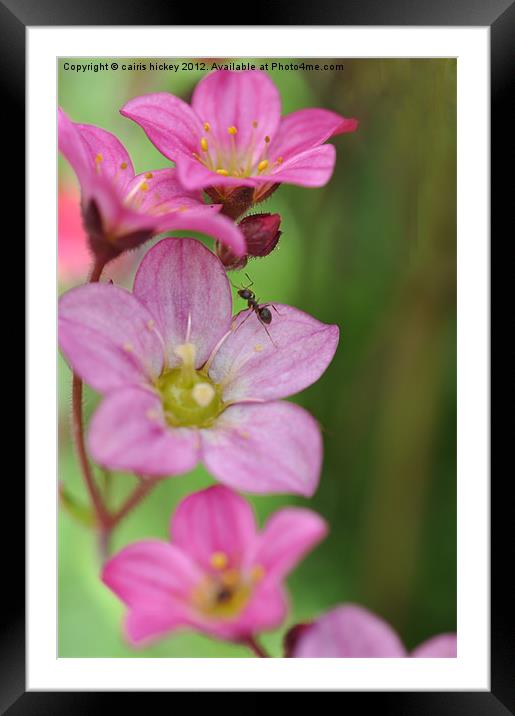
(224, 593)
(189, 396)
(227, 158)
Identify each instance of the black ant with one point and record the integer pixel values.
(263, 313)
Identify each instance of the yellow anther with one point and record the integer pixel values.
(187, 353)
(144, 187)
(219, 560)
(257, 573)
(203, 394)
(207, 126)
(230, 578)
(222, 172)
(279, 160)
(123, 165)
(99, 158)
(149, 175)
(267, 139)
(204, 144)
(258, 347)
(263, 165)
(232, 130)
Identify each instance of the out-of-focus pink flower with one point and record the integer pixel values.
(183, 381)
(74, 257)
(233, 135)
(219, 575)
(122, 210)
(351, 631)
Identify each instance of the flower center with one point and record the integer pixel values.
(189, 397)
(224, 593)
(225, 156)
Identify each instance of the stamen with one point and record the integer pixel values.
(144, 187)
(254, 123)
(123, 165)
(219, 560)
(230, 578)
(267, 139)
(187, 353)
(207, 126)
(232, 130)
(262, 166)
(204, 144)
(99, 158)
(257, 573)
(222, 172)
(149, 175)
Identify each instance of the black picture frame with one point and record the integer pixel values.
(499, 15)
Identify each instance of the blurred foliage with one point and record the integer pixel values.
(374, 252)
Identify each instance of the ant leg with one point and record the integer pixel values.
(251, 281)
(267, 331)
(245, 319)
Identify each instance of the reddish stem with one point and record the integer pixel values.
(254, 646)
(140, 492)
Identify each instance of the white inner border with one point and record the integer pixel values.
(471, 669)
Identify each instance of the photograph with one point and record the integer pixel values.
(257, 357)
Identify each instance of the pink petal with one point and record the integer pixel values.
(308, 128)
(128, 432)
(72, 146)
(163, 192)
(250, 365)
(100, 143)
(238, 99)
(150, 573)
(349, 631)
(184, 284)
(145, 625)
(206, 220)
(269, 447)
(313, 167)
(440, 646)
(214, 520)
(266, 610)
(108, 337)
(288, 535)
(169, 123)
(194, 175)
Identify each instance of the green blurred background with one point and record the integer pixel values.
(375, 252)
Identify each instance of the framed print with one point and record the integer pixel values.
(258, 401)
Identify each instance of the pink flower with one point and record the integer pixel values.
(185, 382)
(219, 575)
(121, 210)
(351, 631)
(233, 135)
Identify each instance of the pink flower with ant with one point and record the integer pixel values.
(233, 135)
(351, 631)
(183, 381)
(122, 210)
(219, 575)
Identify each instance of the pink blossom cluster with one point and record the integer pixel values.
(182, 380)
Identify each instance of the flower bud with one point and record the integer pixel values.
(291, 637)
(261, 233)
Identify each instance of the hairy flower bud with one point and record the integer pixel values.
(261, 233)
